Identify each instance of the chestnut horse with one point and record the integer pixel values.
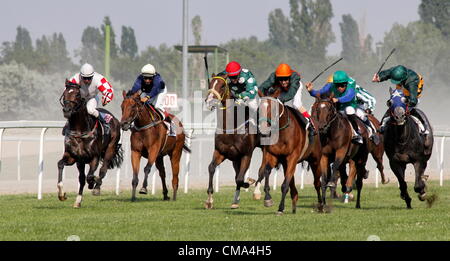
(86, 144)
(149, 139)
(234, 141)
(337, 147)
(290, 145)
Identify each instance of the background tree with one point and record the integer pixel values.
(436, 12)
(351, 48)
(128, 45)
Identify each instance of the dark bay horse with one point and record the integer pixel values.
(149, 139)
(291, 145)
(403, 144)
(335, 132)
(86, 144)
(234, 141)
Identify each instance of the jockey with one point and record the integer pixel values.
(242, 84)
(91, 84)
(344, 89)
(153, 89)
(411, 83)
(291, 89)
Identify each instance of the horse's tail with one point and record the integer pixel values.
(187, 141)
(117, 160)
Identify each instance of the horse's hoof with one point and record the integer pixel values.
(208, 205)
(280, 213)
(386, 181)
(143, 191)
(63, 197)
(166, 198)
(96, 192)
(133, 199)
(331, 184)
(251, 181)
(257, 196)
(91, 185)
(422, 197)
(77, 205)
(234, 206)
(268, 203)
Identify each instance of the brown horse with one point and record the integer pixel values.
(337, 147)
(86, 144)
(234, 141)
(289, 146)
(377, 150)
(149, 139)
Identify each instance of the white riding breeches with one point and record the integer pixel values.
(297, 102)
(349, 110)
(158, 100)
(91, 107)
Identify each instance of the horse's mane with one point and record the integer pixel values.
(129, 93)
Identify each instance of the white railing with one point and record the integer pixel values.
(191, 129)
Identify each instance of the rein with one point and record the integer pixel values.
(84, 135)
(279, 117)
(219, 97)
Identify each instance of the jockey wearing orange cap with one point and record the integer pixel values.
(291, 89)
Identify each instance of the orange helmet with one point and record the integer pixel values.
(283, 70)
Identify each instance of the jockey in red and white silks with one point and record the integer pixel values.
(92, 83)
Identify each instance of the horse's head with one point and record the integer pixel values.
(131, 106)
(71, 99)
(218, 91)
(398, 107)
(324, 112)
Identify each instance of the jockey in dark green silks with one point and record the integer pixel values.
(411, 83)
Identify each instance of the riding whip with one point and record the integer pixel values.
(381, 67)
(206, 66)
(315, 78)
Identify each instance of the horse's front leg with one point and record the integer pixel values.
(419, 185)
(82, 182)
(135, 163)
(67, 160)
(91, 179)
(216, 160)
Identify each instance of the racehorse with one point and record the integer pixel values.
(403, 144)
(86, 144)
(234, 141)
(149, 139)
(335, 133)
(377, 150)
(292, 145)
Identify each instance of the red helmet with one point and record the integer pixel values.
(233, 68)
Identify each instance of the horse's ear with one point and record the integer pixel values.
(124, 93)
(331, 96)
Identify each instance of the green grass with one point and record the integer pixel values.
(110, 217)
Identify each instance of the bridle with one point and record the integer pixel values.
(265, 119)
(78, 103)
(141, 107)
(330, 121)
(219, 97)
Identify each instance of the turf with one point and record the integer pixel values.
(109, 217)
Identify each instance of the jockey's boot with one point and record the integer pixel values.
(373, 133)
(357, 137)
(105, 118)
(422, 124)
(384, 121)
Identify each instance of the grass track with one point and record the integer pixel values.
(110, 217)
